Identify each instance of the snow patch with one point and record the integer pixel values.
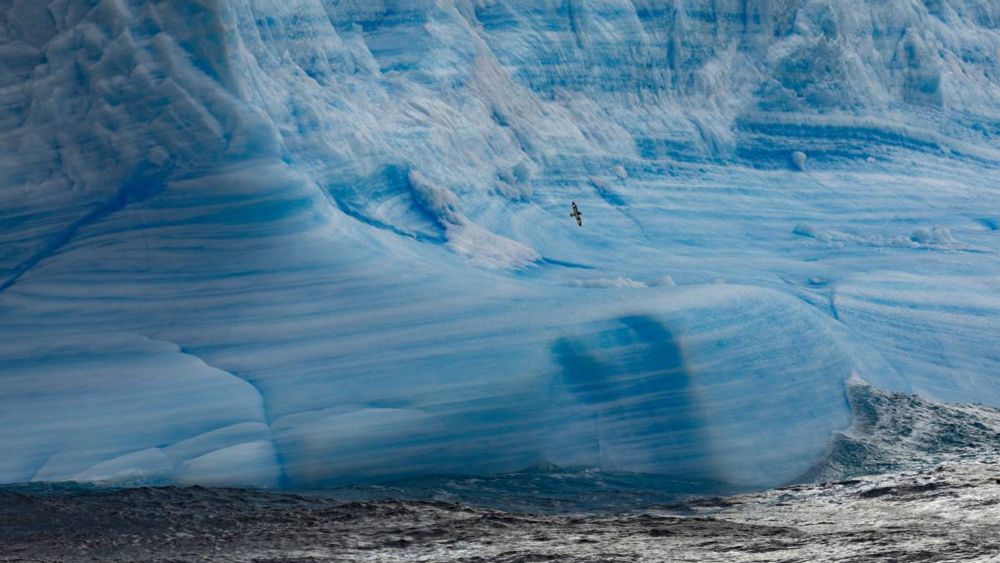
(605, 283)
(933, 238)
(464, 236)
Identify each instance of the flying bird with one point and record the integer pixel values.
(577, 215)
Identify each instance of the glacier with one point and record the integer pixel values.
(320, 242)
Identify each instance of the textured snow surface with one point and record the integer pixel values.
(308, 243)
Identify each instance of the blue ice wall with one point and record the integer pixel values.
(309, 243)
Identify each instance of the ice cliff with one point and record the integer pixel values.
(314, 242)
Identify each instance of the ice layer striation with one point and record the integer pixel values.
(317, 242)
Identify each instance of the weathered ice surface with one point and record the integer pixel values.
(311, 243)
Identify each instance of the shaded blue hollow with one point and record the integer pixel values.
(361, 199)
(725, 383)
(631, 384)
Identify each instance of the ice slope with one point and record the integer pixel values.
(308, 242)
(121, 377)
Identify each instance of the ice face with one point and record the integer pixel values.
(312, 243)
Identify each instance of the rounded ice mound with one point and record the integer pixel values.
(933, 235)
(799, 160)
(732, 383)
